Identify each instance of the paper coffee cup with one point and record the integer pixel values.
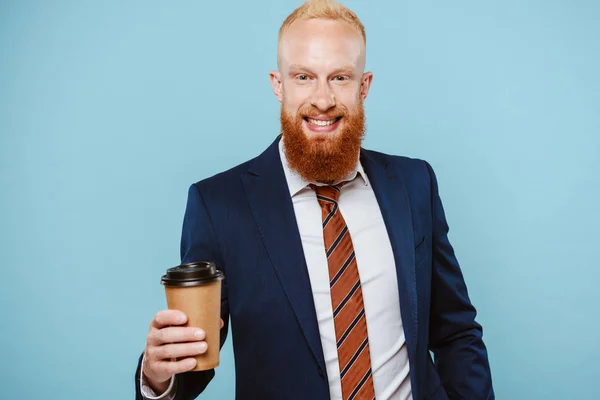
(195, 289)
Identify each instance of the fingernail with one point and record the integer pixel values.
(199, 334)
(203, 346)
(181, 318)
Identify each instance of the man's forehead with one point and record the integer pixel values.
(320, 41)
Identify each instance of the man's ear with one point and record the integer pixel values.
(275, 77)
(365, 84)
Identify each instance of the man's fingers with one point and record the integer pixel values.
(175, 367)
(177, 350)
(157, 337)
(167, 318)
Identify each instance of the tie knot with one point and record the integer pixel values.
(327, 195)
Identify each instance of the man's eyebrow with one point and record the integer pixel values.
(298, 67)
(347, 69)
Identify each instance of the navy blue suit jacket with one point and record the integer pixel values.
(244, 220)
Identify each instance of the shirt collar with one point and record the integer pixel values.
(296, 183)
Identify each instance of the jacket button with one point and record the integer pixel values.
(321, 374)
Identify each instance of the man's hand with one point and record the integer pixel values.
(171, 348)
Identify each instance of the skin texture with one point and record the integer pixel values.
(166, 340)
(321, 75)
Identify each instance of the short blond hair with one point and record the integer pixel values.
(326, 9)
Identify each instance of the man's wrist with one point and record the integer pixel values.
(158, 388)
(152, 390)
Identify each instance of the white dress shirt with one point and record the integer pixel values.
(377, 270)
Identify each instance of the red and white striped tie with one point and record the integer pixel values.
(346, 299)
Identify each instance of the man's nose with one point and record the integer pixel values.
(323, 97)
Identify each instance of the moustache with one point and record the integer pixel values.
(313, 112)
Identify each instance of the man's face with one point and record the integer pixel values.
(321, 86)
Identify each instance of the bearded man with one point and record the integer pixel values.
(339, 276)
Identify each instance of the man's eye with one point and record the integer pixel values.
(340, 78)
(303, 77)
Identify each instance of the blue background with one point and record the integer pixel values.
(110, 110)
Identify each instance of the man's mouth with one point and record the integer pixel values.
(322, 122)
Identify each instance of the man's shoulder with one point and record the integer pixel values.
(407, 166)
(416, 174)
(226, 178)
(411, 168)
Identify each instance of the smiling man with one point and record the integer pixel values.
(321, 84)
(340, 279)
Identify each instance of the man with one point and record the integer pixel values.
(340, 278)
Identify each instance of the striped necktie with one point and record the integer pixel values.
(346, 299)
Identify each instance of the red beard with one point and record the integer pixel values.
(323, 159)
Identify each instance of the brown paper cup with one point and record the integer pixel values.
(202, 305)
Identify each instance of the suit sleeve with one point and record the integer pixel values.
(198, 242)
(455, 337)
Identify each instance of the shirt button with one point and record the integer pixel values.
(321, 374)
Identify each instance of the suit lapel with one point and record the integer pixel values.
(390, 191)
(271, 204)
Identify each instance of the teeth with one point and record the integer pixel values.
(321, 123)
